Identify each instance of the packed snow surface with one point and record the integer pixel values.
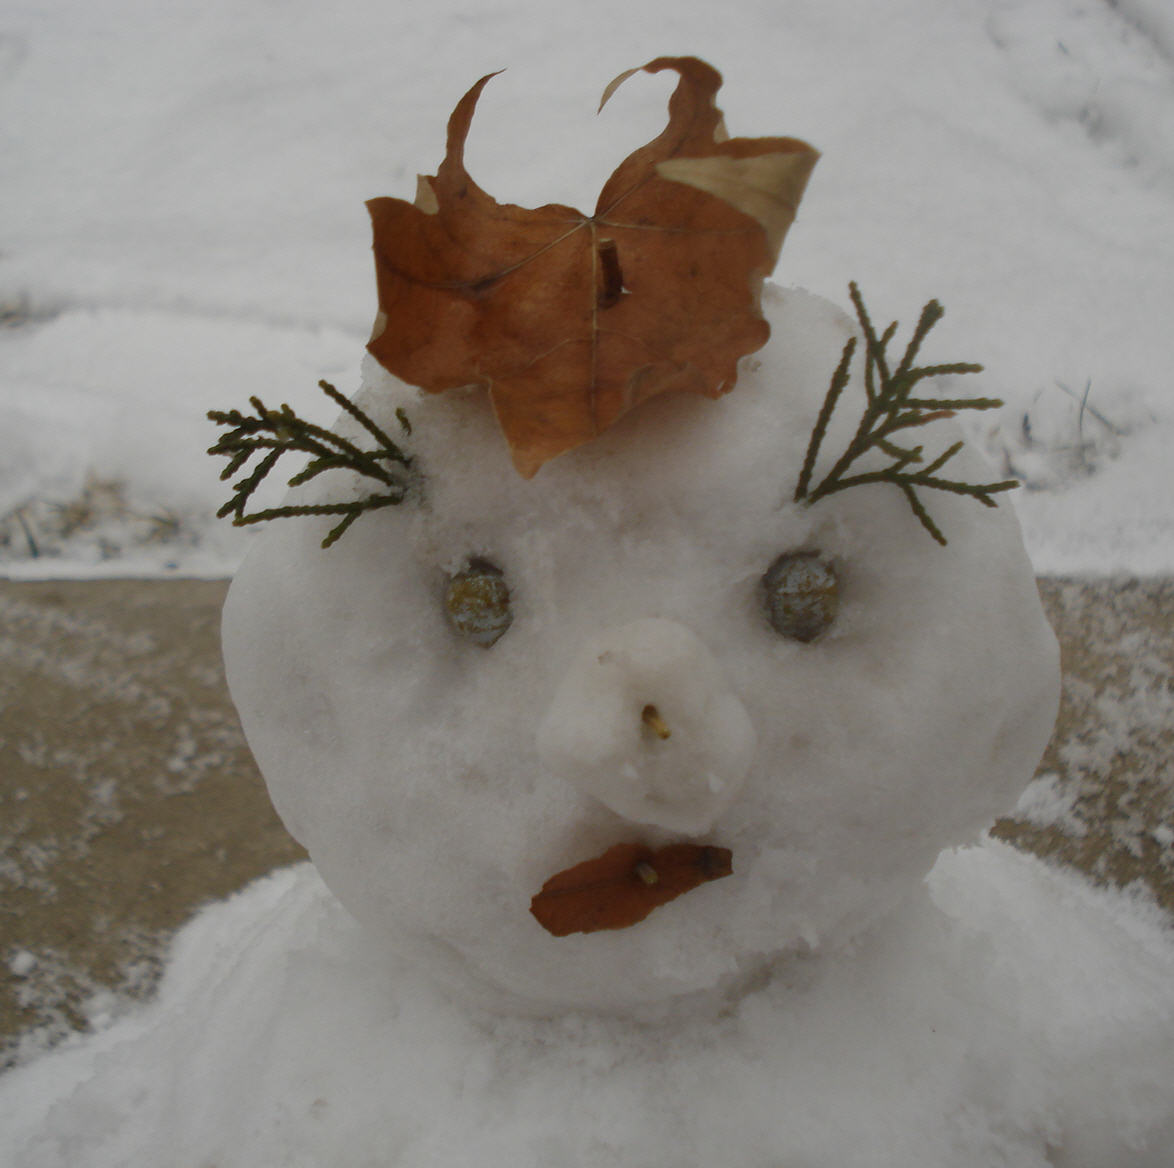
(1008, 1014)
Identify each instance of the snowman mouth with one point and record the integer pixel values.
(623, 885)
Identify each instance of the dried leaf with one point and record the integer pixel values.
(624, 885)
(570, 320)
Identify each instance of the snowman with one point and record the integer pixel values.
(646, 672)
(644, 657)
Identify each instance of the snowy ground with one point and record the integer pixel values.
(183, 222)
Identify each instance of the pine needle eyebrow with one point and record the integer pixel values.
(275, 433)
(890, 407)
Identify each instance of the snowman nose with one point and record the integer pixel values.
(645, 721)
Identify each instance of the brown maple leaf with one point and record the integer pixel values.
(621, 887)
(570, 320)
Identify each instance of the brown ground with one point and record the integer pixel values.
(128, 796)
(1113, 747)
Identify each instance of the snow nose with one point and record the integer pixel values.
(646, 722)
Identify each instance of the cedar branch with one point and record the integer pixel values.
(891, 407)
(279, 432)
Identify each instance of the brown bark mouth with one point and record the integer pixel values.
(623, 885)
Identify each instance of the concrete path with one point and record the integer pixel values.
(1110, 766)
(128, 796)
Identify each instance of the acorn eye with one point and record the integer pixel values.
(477, 601)
(801, 595)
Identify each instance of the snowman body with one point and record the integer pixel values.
(438, 782)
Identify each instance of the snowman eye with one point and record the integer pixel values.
(801, 595)
(477, 601)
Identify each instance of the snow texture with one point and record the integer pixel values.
(1008, 1014)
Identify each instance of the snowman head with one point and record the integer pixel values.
(631, 729)
(439, 782)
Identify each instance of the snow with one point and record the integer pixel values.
(183, 220)
(183, 227)
(22, 963)
(1006, 1015)
(588, 734)
(1045, 802)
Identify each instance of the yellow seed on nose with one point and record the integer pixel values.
(651, 718)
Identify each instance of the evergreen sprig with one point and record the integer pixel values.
(273, 433)
(891, 407)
